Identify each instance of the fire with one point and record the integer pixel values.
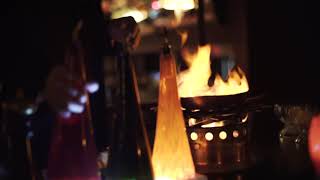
(194, 81)
(171, 157)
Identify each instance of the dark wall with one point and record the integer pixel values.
(34, 35)
(283, 49)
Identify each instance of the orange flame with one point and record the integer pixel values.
(194, 81)
(171, 157)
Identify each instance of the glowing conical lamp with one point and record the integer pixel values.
(171, 158)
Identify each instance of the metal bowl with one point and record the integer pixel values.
(208, 102)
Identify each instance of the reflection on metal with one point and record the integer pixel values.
(238, 153)
(245, 118)
(214, 124)
(219, 157)
(30, 159)
(195, 110)
(221, 123)
(139, 152)
(197, 146)
(239, 177)
(244, 132)
(192, 121)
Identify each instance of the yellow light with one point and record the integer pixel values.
(223, 135)
(192, 121)
(209, 136)
(177, 4)
(213, 124)
(138, 15)
(194, 136)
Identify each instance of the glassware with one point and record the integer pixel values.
(73, 153)
(130, 153)
(296, 119)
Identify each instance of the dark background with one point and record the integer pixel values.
(282, 46)
(283, 49)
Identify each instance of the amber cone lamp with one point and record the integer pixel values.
(171, 158)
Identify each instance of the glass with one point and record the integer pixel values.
(296, 119)
(73, 153)
(130, 153)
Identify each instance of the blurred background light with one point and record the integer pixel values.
(138, 15)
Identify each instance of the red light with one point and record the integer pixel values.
(314, 142)
(155, 5)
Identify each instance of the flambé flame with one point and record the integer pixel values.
(194, 81)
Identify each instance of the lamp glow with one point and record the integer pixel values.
(235, 133)
(138, 15)
(223, 135)
(177, 4)
(314, 143)
(194, 136)
(209, 136)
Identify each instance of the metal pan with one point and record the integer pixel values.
(207, 102)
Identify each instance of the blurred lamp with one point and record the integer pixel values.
(314, 143)
(183, 5)
(138, 15)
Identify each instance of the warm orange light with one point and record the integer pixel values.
(235, 133)
(171, 157)
(178, 6)
(194, 81)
